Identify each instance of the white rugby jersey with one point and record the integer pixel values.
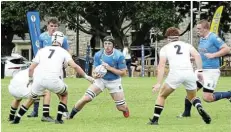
(178, 55)
(50, 61)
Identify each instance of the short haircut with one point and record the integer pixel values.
(53, 20)
(204, 23)
(172, 31)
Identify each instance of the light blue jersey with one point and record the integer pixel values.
(210, 44)
(45, 40)
(116, 60)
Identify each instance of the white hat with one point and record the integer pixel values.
(57, 36)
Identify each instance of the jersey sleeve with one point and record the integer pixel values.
(121, 62)
(65, 45)
(67, 57)
(40, 42)
(217, 41)
(96, 60)
(37, 57)
(163, 52)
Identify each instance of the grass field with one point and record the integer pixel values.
(101, 115)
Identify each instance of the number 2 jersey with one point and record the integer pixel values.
(50, 61)
(178, 55)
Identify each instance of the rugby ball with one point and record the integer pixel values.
(101, 70)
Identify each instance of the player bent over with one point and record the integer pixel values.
(114, 61)
(177, 53)
(19, 89)
(47, 65)
(210, 47)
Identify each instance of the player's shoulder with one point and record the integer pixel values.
(44, 34)
(98, 53)
(118, 52)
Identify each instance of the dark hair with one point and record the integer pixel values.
(172, 31)
(53, 20)
(109, 38)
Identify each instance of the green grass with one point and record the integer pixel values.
(101, 115)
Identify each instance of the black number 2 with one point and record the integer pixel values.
(178, 49)
(52, 52)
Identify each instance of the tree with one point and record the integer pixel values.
(14, 22)
(103, 16)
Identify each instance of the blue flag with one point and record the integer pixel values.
(34, 29)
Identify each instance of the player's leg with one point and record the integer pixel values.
(23, 109)
(165, 91)
(34, 113)
(46, 107)
(116, 90)
(94, 90)
(14, 106)
(210, 82)
(63, 94)
(191, 95)
(188, 104)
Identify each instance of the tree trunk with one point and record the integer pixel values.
(6, 44)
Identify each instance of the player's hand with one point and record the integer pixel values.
(106, 65)
(97, 76)
(30, 81)
(90, 79)
(156, 87)
(209, 55)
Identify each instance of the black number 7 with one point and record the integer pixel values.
(52, 52)
(178, 49)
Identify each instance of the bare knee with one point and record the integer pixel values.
(208, 98)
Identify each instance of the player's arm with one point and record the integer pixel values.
(196, 56)
(221, 45)
(34, 64)
(161, 67)
(65, 45)
(77, 68)
(224, 49)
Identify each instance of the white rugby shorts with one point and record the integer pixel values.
(113, 86)
(186, 77)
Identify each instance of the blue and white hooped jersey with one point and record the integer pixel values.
(210, 44)
(116, 60)
(45, 40)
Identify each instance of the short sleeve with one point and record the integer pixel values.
(37, 57)
(162, 52)
(96, 60)
(40, 42)
(67, 57)
(121, 62)
(65, 45)
(217, 41)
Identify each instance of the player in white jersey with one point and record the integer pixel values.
(177, 53)
(20, 89)
(47, 65)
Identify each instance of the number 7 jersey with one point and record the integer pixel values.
(50, 61)
(178, 55)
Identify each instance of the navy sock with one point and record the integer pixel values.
(188, 106)
(36, 106)
(221, 95)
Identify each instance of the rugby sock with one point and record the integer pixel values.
(46, 110)
(157, 111)
(12, 113)
(221, 95)
(187, 107)
(61, 109)
(196, 102)
(21, 112)
(74, 112)
(36, 106)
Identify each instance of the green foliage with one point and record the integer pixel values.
(100, 115)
